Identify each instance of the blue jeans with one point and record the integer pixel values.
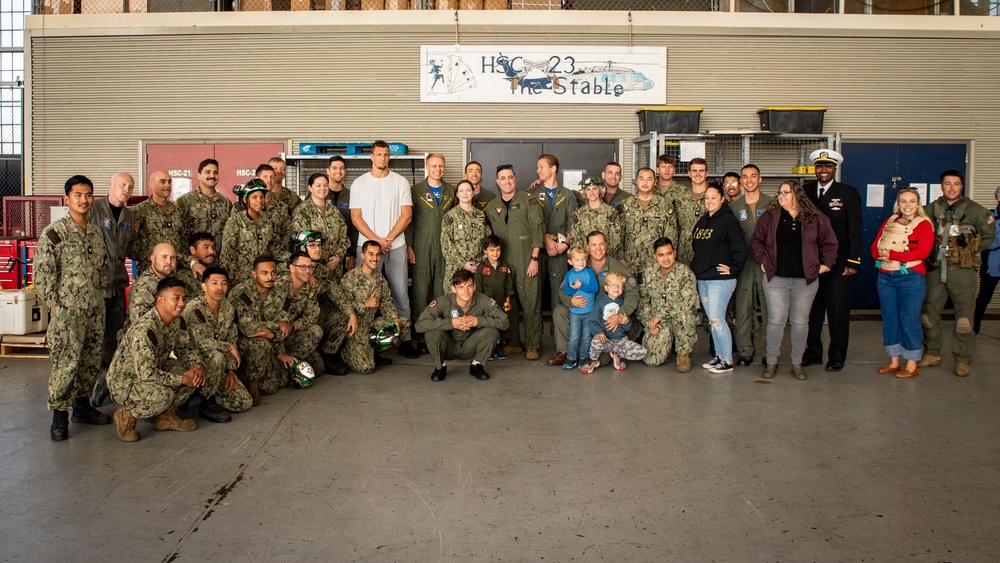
(715, 296)
(901, 297)
(579, 336)
(789, 300)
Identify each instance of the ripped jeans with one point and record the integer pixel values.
(715, 295)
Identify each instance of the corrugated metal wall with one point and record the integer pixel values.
(95, 95)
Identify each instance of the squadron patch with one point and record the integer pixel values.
(487, 271)
(454, 313)
(631, 282)
(433, 304)
(744, 215)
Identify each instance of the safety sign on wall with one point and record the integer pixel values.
(543, 74)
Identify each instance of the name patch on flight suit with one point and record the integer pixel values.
(343, 205)
(504, 269)
(515, 207)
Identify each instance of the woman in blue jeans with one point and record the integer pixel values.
(904, 241)
(794, 243)
(719, 253)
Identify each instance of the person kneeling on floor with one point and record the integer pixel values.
(614, 340)
(143, 378)
(462, 325)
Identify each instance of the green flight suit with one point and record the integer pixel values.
(423, 235)
(749, 284)
(558, 221)
(520, 224)
(446, 343)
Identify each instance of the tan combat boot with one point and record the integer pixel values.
(170, 421)
(928, 361)
(533, 354)
(962, 370)
(683, 363)
(125, 424)
(254, 391)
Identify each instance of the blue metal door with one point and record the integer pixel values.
(894, 166)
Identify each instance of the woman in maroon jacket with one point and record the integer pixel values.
(794, 243)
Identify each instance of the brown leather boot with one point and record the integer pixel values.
(125, 424)
(254, 391)
(170, 421)
(683, 363)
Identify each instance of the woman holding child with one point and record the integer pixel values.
(904, 241)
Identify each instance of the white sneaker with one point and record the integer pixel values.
(715, 361)
(618, 362)
(722, 367)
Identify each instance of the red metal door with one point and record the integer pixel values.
(237, 162)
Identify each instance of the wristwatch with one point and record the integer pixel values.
(534, 259)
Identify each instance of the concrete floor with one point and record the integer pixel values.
(536, 464)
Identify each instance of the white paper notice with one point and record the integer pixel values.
(876, 195)
(691, 150)
(180, 187)
(922, 191)
(935, 192)
(573, 178)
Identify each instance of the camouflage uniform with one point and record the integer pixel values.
(71, 274)
(462, 237)
(290, 199)
(674, 300)
(641, 227)
(212, 335)
(332, 318)
(357, 288)
(242, 242)
(279, 216)
(154, 225)
(330, 222)
(558, 221)
(667, 191)
(260, 356)
(205, 214)
(142, 377)
(689, 208)
(424, 235)
(605, 219)
(301, 310)
(446, 343)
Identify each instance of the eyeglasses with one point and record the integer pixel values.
(303, 267)
(786, 192)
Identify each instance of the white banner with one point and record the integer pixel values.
(543, 75)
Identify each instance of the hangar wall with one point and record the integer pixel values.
(98, 84)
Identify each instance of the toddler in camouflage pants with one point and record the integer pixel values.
(616, 341)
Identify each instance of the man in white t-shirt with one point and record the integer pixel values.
(381, 209)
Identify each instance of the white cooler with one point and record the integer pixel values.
(21, 312)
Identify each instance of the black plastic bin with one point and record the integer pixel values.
(683, 121)
(791, 119)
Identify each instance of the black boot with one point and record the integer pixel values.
(83, 413)
(212, 412)
(381, 360)
(335, 365)
(60, 426)
(100, 392)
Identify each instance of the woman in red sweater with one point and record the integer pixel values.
(903, 243)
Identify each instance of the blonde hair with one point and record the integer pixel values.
(910, 190)
(576, 251)
(434, 155)
(614, 277)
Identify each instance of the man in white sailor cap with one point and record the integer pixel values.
(842, 204)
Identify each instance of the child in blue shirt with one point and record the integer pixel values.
(581, 281)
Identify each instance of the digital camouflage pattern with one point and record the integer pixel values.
(604, 219)
(142, 376)
(641, 227)
(71, 275)
(204, 214)
(357, 288)
(674, 301)
(154, 225)
(462, 235)
(213, 334)
(243, 240)
(329, 221)
(301, 309)
(260, 356)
